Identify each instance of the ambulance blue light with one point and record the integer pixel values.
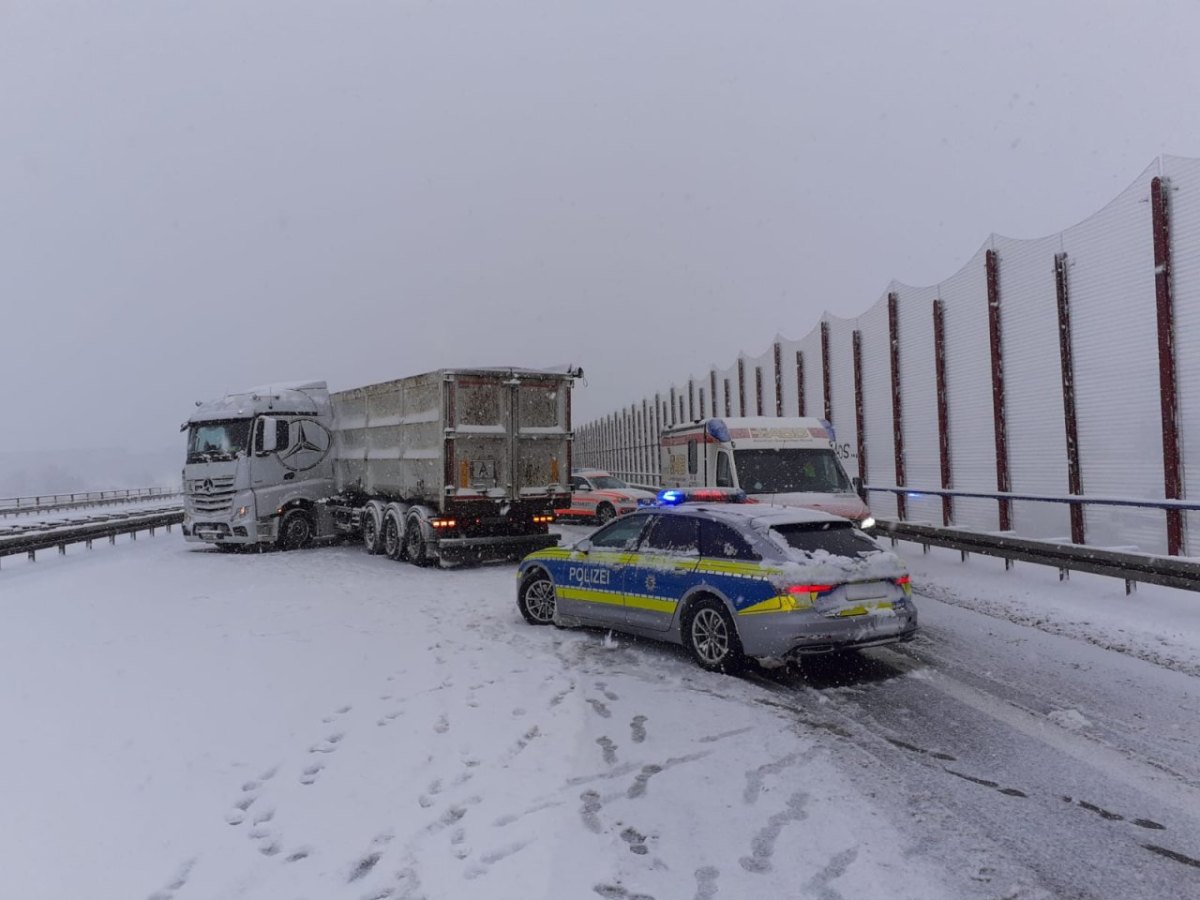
(718, 430)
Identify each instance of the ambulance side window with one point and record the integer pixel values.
(692, 467)
(724, 471)
(618, 535)
(674, 534)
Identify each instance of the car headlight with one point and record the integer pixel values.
(868, 522)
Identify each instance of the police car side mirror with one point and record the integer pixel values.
(583, 546)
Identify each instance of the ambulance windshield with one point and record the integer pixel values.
(791, 470)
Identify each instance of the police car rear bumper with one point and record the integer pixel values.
(788, 634)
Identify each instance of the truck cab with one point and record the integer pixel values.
(785, 461)
(258, 462)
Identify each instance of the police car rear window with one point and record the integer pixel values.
(838, 538)
(674, 534)
(719, 541)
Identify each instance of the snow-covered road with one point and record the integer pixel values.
(186, 724)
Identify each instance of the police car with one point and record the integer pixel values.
(597, 494)
(727, 580)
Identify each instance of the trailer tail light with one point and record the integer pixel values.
(443, 523)
(554, 470)
(905, 582)
(542, 520)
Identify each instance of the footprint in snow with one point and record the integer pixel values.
(442, 725)
(309, 775)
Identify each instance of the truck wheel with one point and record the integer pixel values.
(393, 546)
(372, 539)
(604, 512)
(711, 637)
(296, 530)
(536, 599)
(414, 544)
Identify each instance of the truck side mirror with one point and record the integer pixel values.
(859, 488)
(266, 435)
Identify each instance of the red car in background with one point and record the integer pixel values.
(597, 494)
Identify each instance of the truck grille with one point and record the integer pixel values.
(210, 495)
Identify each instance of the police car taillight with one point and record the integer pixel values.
(812, 589)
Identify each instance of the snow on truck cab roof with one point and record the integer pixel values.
(284, 398)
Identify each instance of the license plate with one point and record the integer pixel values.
(868, 590)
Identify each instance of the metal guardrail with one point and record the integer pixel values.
(1170, 571)
(1068, 500)
(30, 543)
(50, 502)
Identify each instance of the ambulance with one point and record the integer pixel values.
(787, 461)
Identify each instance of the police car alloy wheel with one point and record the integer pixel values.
(712, 638)
(536, 599)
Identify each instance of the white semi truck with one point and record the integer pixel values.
(452, 465)
(789, 461)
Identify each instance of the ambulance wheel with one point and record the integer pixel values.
(536, 598)
(414, 544)
(605, 512)
(296, 530)
(711, 637)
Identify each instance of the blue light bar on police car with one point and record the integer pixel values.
(676, 496)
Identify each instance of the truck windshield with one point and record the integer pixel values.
(215, 441)
(791, 470)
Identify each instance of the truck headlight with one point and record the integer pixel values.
(242, 512)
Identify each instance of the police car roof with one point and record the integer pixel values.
(764, 514)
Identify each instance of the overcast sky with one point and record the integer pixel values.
(202, 196)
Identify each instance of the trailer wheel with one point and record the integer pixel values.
(372, 539)
(414, 544)
(296, 530)
(393, 546)
(604, 512)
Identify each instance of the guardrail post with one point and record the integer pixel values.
(859, 417)
(741, 370)
(943, 410)
(897, 411)
(1168, 392)
(799, 383)
(826, 378)
(778, 380)
(1003, 484)
(1066, 356)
